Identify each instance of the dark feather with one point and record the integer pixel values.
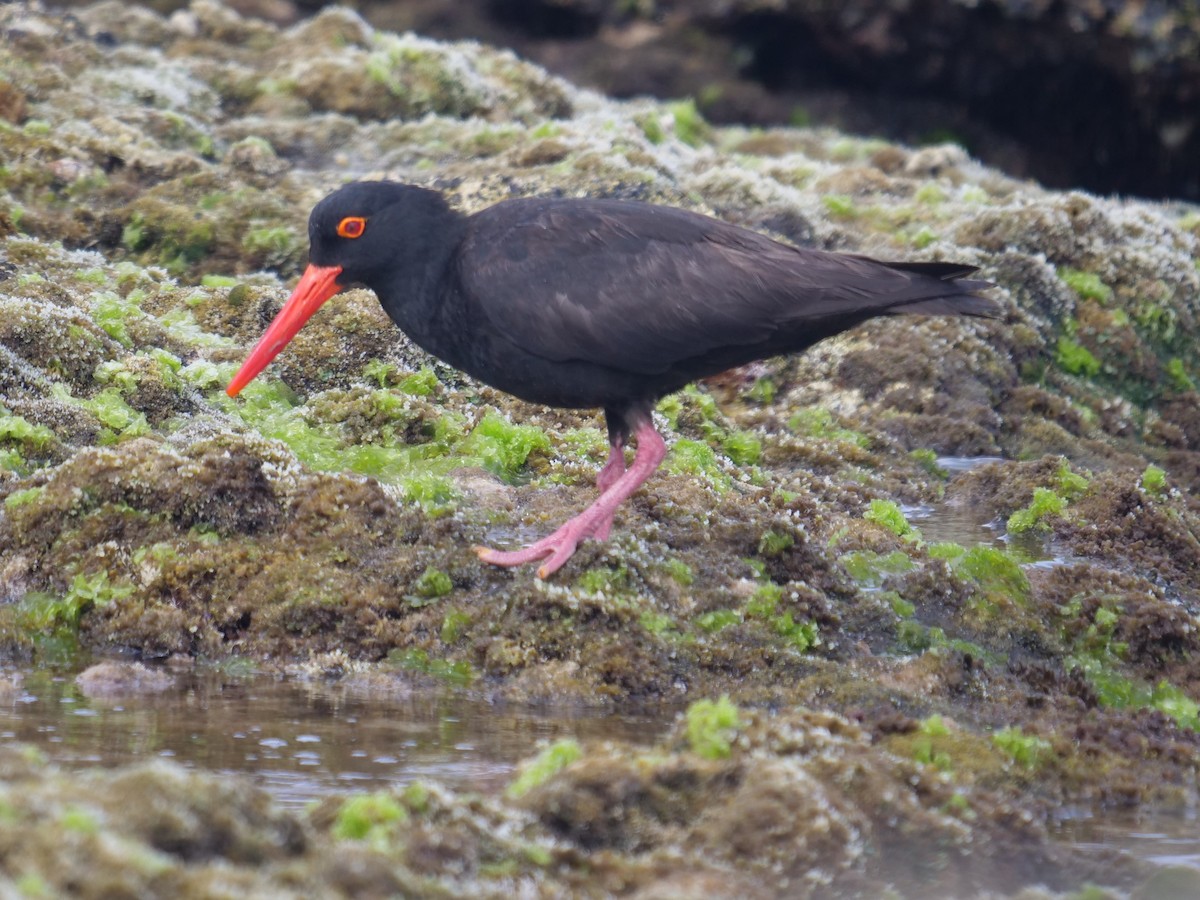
(643, 289)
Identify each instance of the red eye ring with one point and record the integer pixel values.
(352, 227)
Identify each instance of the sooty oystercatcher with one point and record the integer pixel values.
(583, 303)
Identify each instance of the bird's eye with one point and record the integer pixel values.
(352, 227)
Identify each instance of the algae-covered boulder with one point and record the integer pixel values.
(155, 178)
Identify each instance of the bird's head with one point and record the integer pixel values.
(355, 234)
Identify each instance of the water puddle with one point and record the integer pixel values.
(299, 740)
(1161, 838)
(962, 524)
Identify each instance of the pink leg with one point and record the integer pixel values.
(558, 547)
(612, 471)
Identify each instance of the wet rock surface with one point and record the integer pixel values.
(156, 179)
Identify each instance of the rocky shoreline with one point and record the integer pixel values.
(927, 703)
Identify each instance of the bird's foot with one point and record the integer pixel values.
(556, 548)
(616, 484)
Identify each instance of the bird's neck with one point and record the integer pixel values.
(409, 289)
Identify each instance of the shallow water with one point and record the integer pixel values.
(298, 740)
(303, 740)
(966, 525)
(1162, 838)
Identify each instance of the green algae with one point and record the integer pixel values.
(764, 604)
(501, 446)
(914, 637)
(1087, 285)
(679, 571)
(459, 673)
(888, 515)
(432, 585)
(871, 569)
(1045, 505)
(774, 543)
(928, 460)
(42, 617)
(1154, 480)
(659, 624)
(688, 457)
(1024, 749)
(454, 625)
(1075, 359)
(929, 747)
(369, 817)
(1178, 375)
(712, 727)
(994, 571)
(742, 448)
(717, 620)
(841, 206)
(818, 422)
(1119, 691)
(690, 126)
(19, 430)
(552, 760)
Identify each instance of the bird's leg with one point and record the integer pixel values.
(612, 471)
(557, 548)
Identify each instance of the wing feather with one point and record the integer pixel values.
(639, 288)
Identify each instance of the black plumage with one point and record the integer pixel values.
(596, 303)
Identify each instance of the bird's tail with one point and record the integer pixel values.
(961, 297)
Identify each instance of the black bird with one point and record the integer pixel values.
(593, 303)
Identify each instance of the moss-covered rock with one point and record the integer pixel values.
(147, 226)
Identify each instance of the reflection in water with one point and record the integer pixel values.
(299, 741)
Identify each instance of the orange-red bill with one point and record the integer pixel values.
(317, 284)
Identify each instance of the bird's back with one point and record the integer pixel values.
(647, 289)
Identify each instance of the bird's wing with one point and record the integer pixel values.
(639, 288)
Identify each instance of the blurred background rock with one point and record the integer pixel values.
(1096, 94)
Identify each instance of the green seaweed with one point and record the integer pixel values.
(1154, 480)
(929, 733)
(459, 673)
(453, 626)
(690, 126)
(1025, 750)
(774, 543)
(1086, 284)
(369, 817)
(742, 448)
(818, 422)
(680, 572)
(503, 447)
(841, 206)
(552, 760)
(718, 619)
(21, 431)
(27, 497)
(712, 727)
(1045, 504)
(870, 569)
(1178, 375)
(887, 514)
(994, 571)
(1075, 359)
(432, 585)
